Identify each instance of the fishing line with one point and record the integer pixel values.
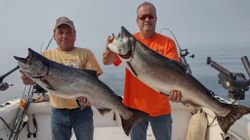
(182, 52)
(12, 131)
(237, 98)
(177, 43)
(211, 122)
(41, 47)
(233, 103)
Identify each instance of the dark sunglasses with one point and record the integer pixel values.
(144, 17)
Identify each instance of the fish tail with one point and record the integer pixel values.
(236, 113)
(128, 124)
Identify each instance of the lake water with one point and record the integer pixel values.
(228, 57)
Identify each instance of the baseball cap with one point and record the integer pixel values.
(64, 20)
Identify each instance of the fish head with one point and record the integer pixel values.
(122, 45)
(34, 65)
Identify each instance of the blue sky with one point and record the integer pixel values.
(29, 23)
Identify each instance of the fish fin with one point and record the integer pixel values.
(164, 93)
(38, 89)
(132, 69)
(128, 124)
(236, 113)
(103, 111)
(187, 103)
(119, 98)
(48, 85)
(91, 72)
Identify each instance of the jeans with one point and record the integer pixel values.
(64, 120)
(161, 127)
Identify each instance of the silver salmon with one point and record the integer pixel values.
(164, 75)
(70, 83)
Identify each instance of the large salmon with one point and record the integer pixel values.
(70, 83)
(164, 75)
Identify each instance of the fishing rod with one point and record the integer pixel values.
(49, 42)
(4, 86)
(182, 52)
(20, 120)
(8, 73)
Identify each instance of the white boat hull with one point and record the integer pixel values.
(108, 127)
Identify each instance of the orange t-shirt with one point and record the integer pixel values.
(139, 96)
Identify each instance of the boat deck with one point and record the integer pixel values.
(114, 133)
(108, 127)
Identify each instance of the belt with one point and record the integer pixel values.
(71, 109)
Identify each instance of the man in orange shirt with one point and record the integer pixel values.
(139, 96)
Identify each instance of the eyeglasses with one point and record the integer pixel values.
(144, 17)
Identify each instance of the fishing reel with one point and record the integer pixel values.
(183, 53)
(236, 83)
(4, 85)
(38, 89)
